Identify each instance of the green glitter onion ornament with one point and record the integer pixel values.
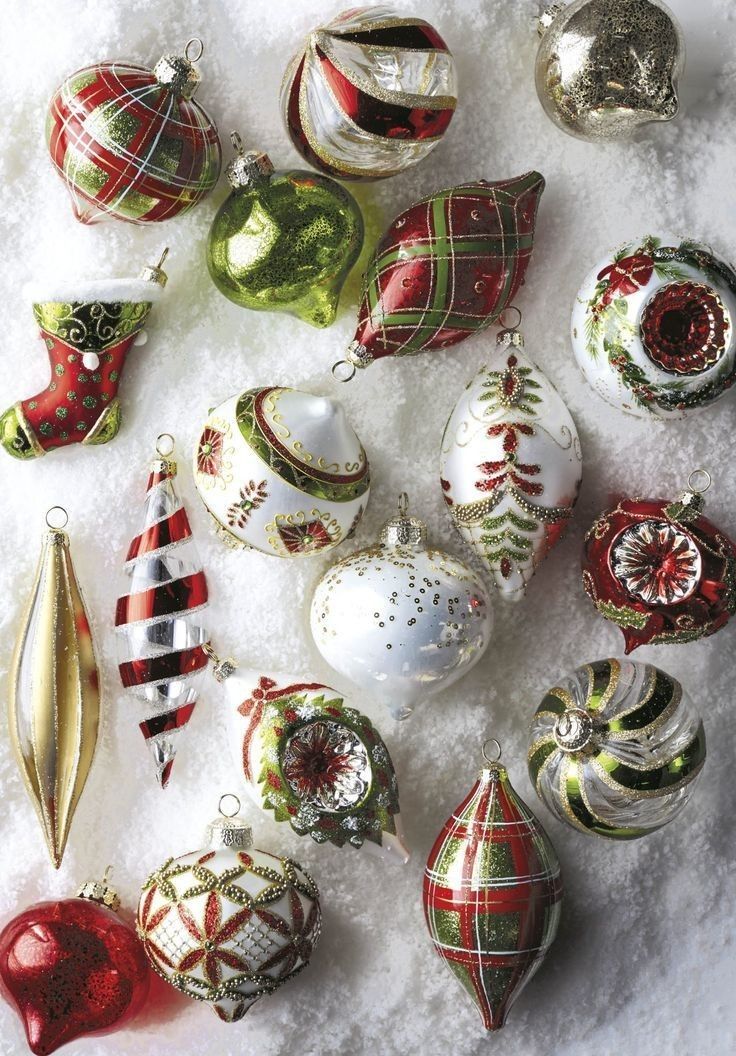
(283, 241)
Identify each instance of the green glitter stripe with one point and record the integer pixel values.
(587, 820)
(538, 758)
(650, 711)
(662, 778)
(600, 684)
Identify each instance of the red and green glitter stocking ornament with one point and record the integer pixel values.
(88, 330)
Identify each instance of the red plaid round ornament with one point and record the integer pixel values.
(130, 142)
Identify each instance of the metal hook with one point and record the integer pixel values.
(694, 476)
(403, 504)
(510, 326)
(197, 43)
(237, 143)
(163, 257)
(64, 518)
(229, 795)
(336, 370)
(164, 445)
(484, 750)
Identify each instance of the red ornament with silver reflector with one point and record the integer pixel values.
(660, 570)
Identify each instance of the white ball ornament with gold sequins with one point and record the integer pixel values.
(401, 619)
(511, 465)
(281, 471)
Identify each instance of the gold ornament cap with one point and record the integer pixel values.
(229, 831)
(155, 272)
(177, 73)
(100, 891)
(403, 530)
(248, 168)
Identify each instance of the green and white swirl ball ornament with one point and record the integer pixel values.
(616, 749)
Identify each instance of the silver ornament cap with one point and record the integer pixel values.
(248, 167)
(178, 73)
(229, 831)
(403, 530)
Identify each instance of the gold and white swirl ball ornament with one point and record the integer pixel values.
(616, 749)
(281, 471)
(400, 619)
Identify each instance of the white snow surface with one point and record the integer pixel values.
(644, 959)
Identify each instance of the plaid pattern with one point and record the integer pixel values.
(447, 267)
(128, 147)
(492, 893)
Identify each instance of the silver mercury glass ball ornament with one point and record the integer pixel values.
(604, 67)
(400, 619)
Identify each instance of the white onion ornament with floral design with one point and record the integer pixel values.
(281, 471)
(511, 466)
(228, 923)
(653, 327)
(312, 761)
(401, 619)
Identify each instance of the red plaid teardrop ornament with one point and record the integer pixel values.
(446, 268)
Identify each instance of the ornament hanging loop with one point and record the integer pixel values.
(496, 747)
(229, 796)
(339, 371)
(237, 143)
(505, 323)
(701, 476)
(165, 445)
(193, 49)
(403, 504)
(59, 522)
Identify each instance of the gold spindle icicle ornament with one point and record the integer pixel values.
(54, 699)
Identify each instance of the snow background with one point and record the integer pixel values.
(645, 952)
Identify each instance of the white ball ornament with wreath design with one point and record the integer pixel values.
(653, 327)
(281, 471)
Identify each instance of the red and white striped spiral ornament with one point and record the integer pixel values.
(162, 641)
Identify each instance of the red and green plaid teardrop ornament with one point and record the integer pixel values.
(446, 268)
(492, 894)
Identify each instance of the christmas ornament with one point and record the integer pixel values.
(54, 699)
(604, 67)
(652, 327)
(313, 761)
(511, 465)
(446, 268)
(660, 570)
(283, 241)
(401, 619)
(132, 143)
(72, 968)
(492, 893)
(160, 618)
(88, 329)
(229, 923)
(370, 94)
(281, 471)
(616, 748)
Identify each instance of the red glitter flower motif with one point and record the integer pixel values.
(326, 764)
(211, 936)
(209, 451)
(304, 538)
(657, 562)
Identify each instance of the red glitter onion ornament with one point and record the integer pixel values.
(72, 968)
(445, 269)
(660, 570)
